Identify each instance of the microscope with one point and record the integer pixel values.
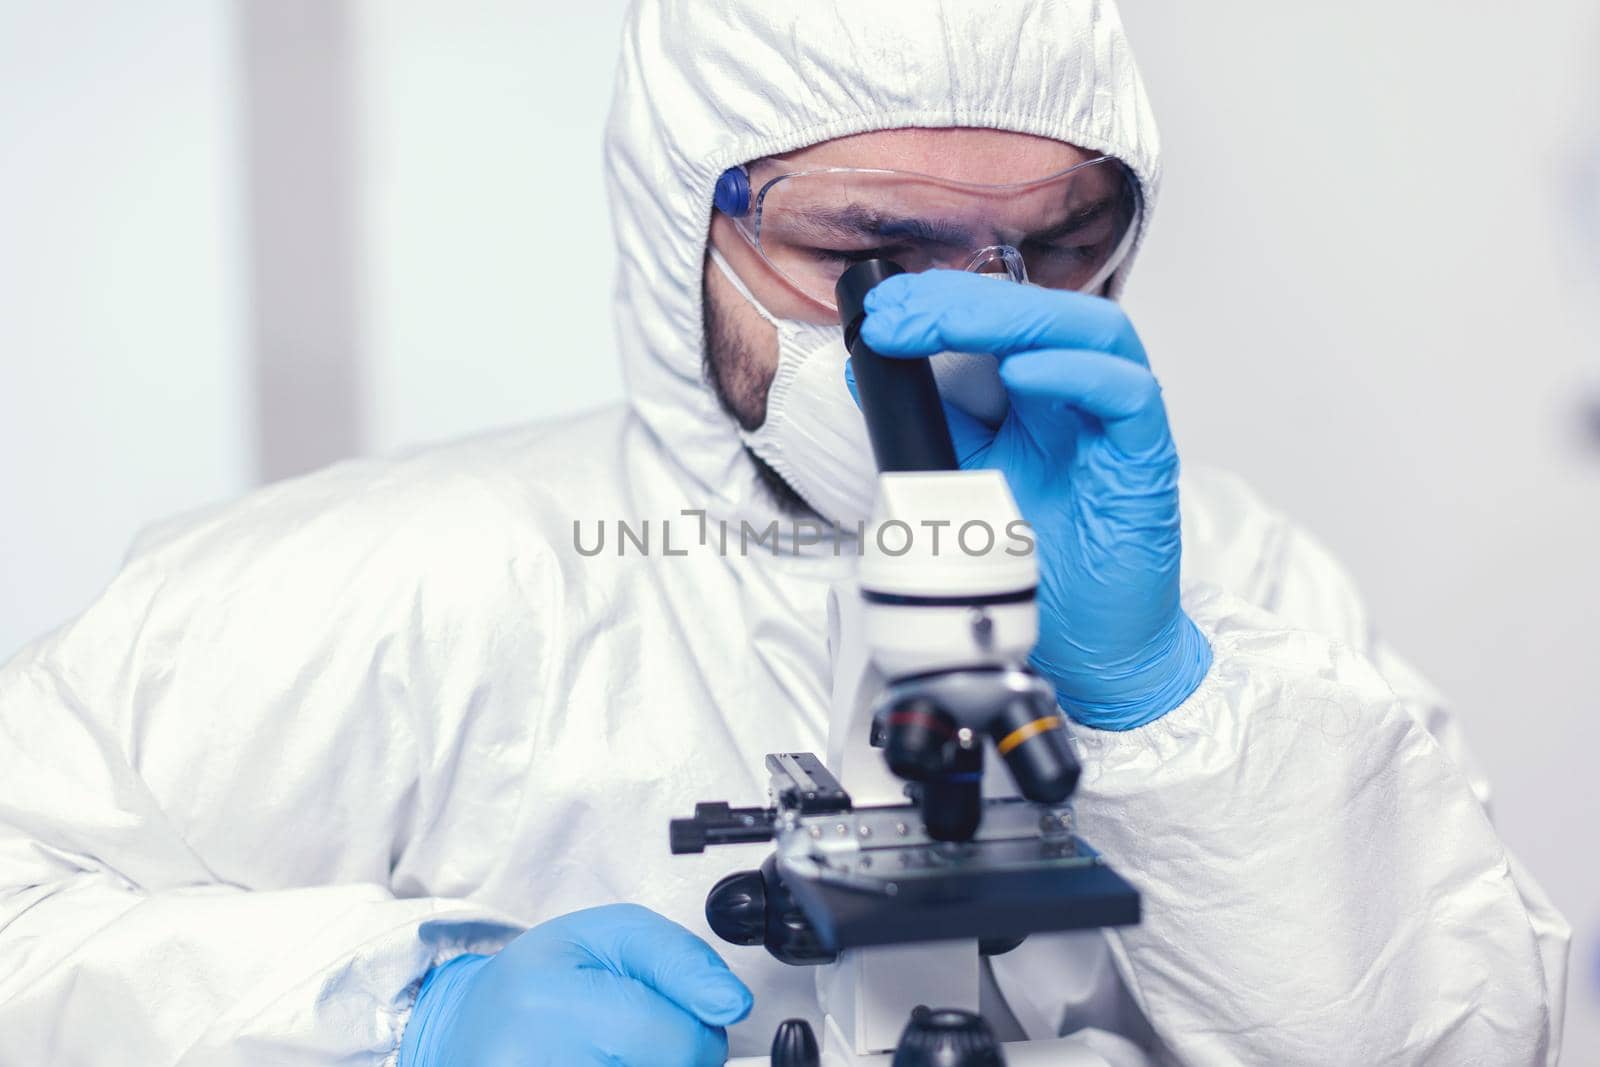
(898, 869)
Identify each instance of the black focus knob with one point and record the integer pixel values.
(755, 908)
(794, 1045)
(736, 908)
(947, 1037)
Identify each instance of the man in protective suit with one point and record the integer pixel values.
(373, 765)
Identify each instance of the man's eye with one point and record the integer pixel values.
(851, 255)
(1061, 251)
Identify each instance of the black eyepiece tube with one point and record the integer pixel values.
(898, 396)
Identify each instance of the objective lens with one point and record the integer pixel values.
(914, 744)
(952, 803)
(1033, 742)
(922, 745)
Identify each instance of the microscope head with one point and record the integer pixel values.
(948, 573)
(947, 583)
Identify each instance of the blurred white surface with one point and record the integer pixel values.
(488, 257)
(1374, 290)
(122, 300)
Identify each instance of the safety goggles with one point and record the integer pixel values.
(1070, 230)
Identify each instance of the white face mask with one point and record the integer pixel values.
(814, 435)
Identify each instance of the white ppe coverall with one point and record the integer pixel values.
(310, 743)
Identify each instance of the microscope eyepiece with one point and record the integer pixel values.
(899, 397)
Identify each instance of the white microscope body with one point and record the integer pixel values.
(911, 853)
(939, 541)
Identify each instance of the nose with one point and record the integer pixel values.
(1001, 261)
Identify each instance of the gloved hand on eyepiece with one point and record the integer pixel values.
(1089, 457)
(614, 986)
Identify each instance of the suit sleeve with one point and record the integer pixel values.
(1321, 878)
(212, 778)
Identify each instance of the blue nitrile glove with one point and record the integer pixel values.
(1091, 462)
(616, 986)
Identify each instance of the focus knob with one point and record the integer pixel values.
(947, 1038)
(794, 1045)
(755, 908)
(736, 908)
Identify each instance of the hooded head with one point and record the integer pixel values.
(703, 85)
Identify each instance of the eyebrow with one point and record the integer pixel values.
(860, 221)
(1078, 220)
(857, 220)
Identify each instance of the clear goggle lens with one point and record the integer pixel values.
(1067, 231)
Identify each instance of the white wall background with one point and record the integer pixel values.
(488, 247)
(122, 300)
(1374, 288)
